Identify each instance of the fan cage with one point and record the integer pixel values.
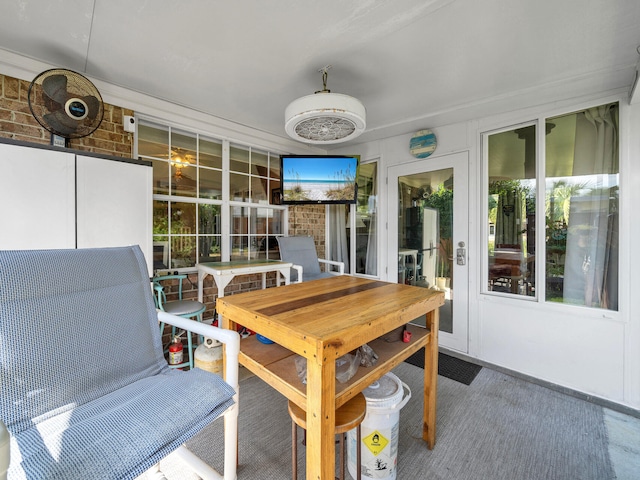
(55, 111)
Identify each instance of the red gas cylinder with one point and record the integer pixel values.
(175, 352)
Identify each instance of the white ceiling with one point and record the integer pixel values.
(413, 63)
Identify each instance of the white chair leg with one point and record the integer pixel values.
(154, 473)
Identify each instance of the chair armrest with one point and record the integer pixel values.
(229, 338)
(299, 269)
(340, 265)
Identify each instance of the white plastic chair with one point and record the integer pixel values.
(301, 251)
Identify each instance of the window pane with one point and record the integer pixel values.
(275, 223)
(239, 247)
(210, 184)
(274, 192)
(209, 248)
(259, 164)
(274, 167)
(160, 176)
(239, 160)
(183, 251)
(183, 178)
(258, 189)
(160, 217)
(183, 238)
(511, 206)
(183, 218)
(366, 223)
(184, 145)
(153, 141)
(210, 154)
(581, 204)
(160, 252)
(209, 219)
(239, 187)
(184, 175)
(239, 220)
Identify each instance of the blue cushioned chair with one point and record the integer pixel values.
(85, 390)
(181, 307)
(301, 251)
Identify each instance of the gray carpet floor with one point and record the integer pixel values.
(499, 427)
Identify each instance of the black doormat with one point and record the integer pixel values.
(450, 367)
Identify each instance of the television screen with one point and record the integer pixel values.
(318, 179)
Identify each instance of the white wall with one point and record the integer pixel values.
(589, 350)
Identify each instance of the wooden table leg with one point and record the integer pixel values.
(431, 380)
(321, 412)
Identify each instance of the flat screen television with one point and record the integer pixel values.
(318, 179)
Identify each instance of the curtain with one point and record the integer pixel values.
(371, 265)
(509, 218)
(591, 268)
(339, 250)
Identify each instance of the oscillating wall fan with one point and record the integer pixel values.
(65, 103)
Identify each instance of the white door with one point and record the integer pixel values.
(428, 236)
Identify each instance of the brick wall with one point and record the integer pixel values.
(17, 122)
(309, 220)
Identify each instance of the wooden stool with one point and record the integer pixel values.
(348, 416)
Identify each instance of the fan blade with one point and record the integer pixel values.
(61, 123)
(94, 106)
(55, 87)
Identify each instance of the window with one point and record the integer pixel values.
(190, 203)
(579, 264)
(353, 229)
(253, 176)
(581, 208)
(512, 214)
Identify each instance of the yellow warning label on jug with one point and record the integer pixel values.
(375, 442)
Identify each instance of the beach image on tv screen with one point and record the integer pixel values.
(315, 179)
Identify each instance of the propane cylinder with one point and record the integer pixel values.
(208, 356)
(175, 351)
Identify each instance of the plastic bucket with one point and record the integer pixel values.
(379, 430)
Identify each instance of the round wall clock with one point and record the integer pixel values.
(423, 143)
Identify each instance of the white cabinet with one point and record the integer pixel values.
(60, 199)
(37, 198)
(114, 204)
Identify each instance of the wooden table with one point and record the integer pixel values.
(510, 260)
(224, 272)
(322, 320)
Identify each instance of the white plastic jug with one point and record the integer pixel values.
(380, 429)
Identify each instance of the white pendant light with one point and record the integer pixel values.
(325, 117)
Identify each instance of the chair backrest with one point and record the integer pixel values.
(37, 289)
(300, 251)
(159, 288)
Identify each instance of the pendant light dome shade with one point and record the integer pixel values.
(325, 117)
